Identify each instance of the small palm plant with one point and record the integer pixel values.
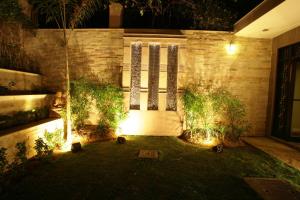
(67, 14)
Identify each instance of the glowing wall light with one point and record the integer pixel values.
(231, 48)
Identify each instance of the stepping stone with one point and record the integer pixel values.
(272, 189)
(152, 154)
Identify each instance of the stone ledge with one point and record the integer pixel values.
(19, 72)
(14, 103)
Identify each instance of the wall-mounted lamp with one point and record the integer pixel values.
(231, 48)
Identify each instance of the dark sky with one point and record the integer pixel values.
(244, 6)
(178, 20)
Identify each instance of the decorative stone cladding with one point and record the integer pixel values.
(97, 55)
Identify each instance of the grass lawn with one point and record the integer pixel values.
(107, 170)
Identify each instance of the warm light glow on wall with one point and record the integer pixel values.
(131, 125)
(53, 125)
(231, 48)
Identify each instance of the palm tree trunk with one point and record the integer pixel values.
(68, 135)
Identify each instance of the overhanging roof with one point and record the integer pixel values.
(269, 19)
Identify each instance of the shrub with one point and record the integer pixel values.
(23, 117)
(109, 103)
(22, 152)
(193, 107)
(80, 102)
(213, 112)
(198, 112)
(42, 149)
(54, 139)
(233, 111)
(3, 160)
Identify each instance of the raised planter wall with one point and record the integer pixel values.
(13, 103)
(21, 81)
(28, 133)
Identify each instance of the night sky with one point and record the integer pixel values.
(177, 18)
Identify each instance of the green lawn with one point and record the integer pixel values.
(107, 170)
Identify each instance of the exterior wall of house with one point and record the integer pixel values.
(285, 39)
(97, 54)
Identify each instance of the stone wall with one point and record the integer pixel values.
(97, 54)
(245, 73)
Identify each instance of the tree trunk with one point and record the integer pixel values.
(68, 135)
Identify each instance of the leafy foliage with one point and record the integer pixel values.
(196, 14)
(109, 103)
(54, 139)
(193, 107)
(76, 11)
(23, 117)
(3, 160)
(42, 149)
(80, 102)
(214, 112)
(22, 152)
(233, 112)
(10, 11)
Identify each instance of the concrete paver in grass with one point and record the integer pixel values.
(282, 152)
(272, 189)
(152, 154)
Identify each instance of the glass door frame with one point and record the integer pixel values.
(288, 58)
(296, 63)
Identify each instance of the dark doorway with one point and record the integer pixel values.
(286, 123)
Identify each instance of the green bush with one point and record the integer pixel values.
(42, 149)
(54, 139)
(3, 160)
(80, 102)
(213, 112)
(109, 103)
(22, 152)
(233, 112)
(23, 117)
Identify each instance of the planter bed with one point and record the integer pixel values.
(13, 103)
(23, 117)
(29, 133)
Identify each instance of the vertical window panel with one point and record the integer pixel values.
(136, 60)
(172, 70)
(153, 76)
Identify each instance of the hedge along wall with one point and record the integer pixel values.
(97, 54)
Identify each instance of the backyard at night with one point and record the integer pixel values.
(108, 170)
(156, 99)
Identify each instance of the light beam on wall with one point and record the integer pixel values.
(131, 125)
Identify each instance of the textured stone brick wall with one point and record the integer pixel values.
(94, 54)
(97, 54)
(245, 74)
